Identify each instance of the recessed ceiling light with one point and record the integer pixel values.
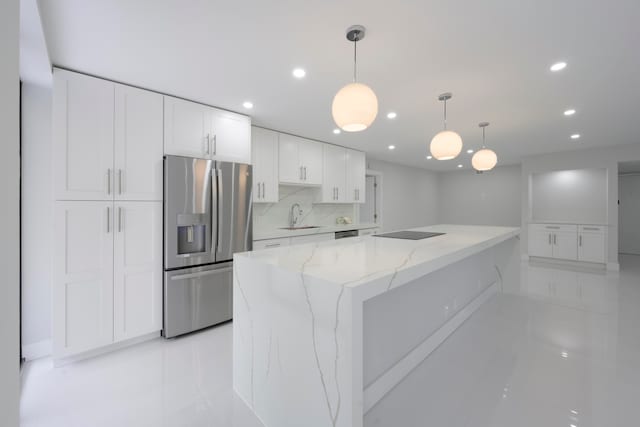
(459, 166)
(575, 136)
(248, 105)
(564, 354)
(469, 151)
(392, 115)
(570, 112)
(336, 131)
(558, 66)
(299, 73)
(392, 147)
(429, 157)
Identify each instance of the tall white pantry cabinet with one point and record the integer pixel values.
(108, 150)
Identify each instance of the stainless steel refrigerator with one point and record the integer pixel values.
(207, 218)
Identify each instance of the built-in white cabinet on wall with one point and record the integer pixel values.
(300, 160)
(572, 242)
(83, 113)
(196, 130)
(343, 175)
(264, 146)
(592, 243)
(334, 188)
(137, 269)
(83, 277)
(356, 176)
(107, 266)
(271, 243)
(107, 140)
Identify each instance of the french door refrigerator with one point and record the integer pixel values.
(207, 218)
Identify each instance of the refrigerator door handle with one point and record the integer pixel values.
(220, 197)
(214, 208)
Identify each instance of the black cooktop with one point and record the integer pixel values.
(409, 235)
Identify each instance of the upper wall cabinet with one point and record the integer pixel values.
(107, 139)
(83, 111)
(138, 144)
(264, 145)
(356, 176)
(196, 130)
(300, 160)
(334, 189)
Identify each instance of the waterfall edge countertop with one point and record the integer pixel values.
(358, 261)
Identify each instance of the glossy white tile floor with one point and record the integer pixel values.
(560, 348)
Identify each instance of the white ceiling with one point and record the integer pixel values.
(494, 55)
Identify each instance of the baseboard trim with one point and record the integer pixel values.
(380, 387)
(61, 361)
(36, 350)
(613, 266)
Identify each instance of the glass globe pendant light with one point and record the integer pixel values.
(355, 106)
(446, 145)
(484, 159)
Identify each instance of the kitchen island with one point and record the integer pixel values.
(323, 331)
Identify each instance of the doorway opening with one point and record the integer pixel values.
(629, 208)
(370, 210)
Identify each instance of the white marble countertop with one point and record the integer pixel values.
(390, 262)
(278, 233)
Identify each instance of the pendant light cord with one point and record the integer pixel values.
(445, 114)
(483, 142)
(355, 57)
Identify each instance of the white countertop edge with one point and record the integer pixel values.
(326, 229)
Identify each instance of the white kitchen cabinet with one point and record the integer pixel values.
(592, 243)
(299, 160)
(271, 243)
(83, 276)
(355, 176)
(264, 145)
(197, 130)
(231, 136)
(137, 284)
(334, 171)
(138, 144)
(540, 243)
(565, 245)
(107, 273)
(107, 139)
(83, 111)
(187, 128)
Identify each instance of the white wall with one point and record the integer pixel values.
(37, 221)
(578, 196)
(629, 214)
(490, 198)
(602, 158)
(409, 195)
(9, 213)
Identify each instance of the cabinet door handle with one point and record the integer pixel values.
(263, 192)
(300, 173)
(555, 239)
(108, 180)
(108, 219)
(305, 173)
(580, 240)
(549, 238)
(215, 144)
(272, 245)
(208, 149)
(119, 219)
(337, 193)
(258, 190)
(119, 181)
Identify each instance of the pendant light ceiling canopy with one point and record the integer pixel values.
(484, 159)
(355, 106)
(446, 145)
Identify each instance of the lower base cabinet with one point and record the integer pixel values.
(107, 273)
(573, 242)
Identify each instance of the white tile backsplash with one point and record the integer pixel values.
(267, 216)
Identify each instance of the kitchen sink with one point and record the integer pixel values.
(305, 227)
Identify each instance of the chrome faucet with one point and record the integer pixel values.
(293, 218)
